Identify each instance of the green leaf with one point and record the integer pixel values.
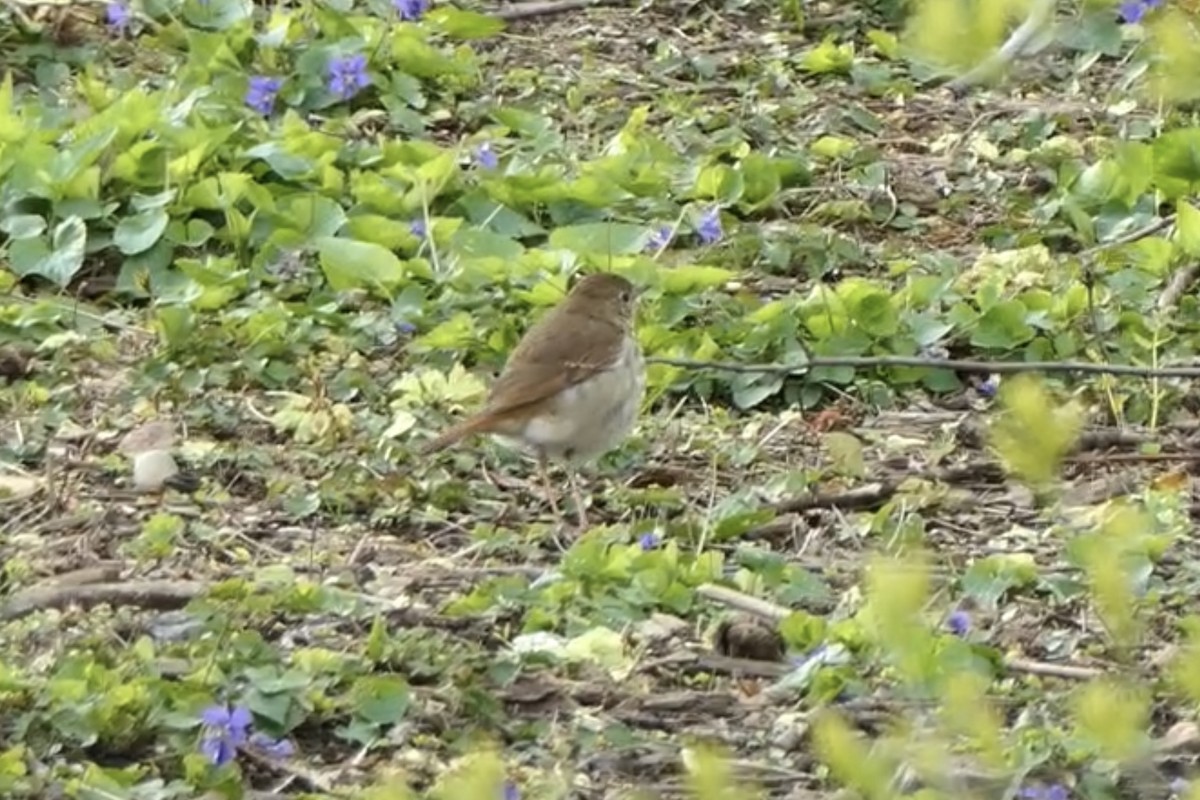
(458, 331)
(600, 238)
(833, 147)
(476, 243)
(140, 232)
(380, 230)
(1003, 326)
(750, 390)
(195, 232)
(60, 260)
(313, 214)
(1187, 227)
(885, 43)
(802, 631)
(24, 255)
(23, 226)
(1177, 161)
(382, 699)
(459, 24)
(69, 164)
(693, 278)
(176, 324)
(721, 183)
(828, 57)
(988, 579)
(412, 54)
(761, 179)
(1136, 160)
(147, 202)
(873, 313)
(436, 172)
(217, 15)
(348, 264)
(288, 165)
(1099, 183)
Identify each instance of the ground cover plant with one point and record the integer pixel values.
(909, 509)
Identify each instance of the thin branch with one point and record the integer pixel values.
(159, 595)
(1178, 284)
(743, 602)
(1052, 670)
(980, 367)
(1131, 237)
(545, 8)
(104, 572)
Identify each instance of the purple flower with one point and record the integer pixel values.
(117, 16)
(510, 791)
(347, 75)
(404, 327)
(484, 156)
(1055, 791)
(411, 9)
(1132, 11)
(988, 388)
(418, 228)
(275, 748)
(261, 93)
(709, 226)
(1179, 787)
(959, 623)
(648, 541)
(660, 238)
(225, 731)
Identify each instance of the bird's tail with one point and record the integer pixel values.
(456, 434)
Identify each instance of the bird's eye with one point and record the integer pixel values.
(626, 296)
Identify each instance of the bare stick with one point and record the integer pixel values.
(1053, 670)
(743, 602)
(981, 367)
(159, 595)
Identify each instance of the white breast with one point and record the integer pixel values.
(592, 417)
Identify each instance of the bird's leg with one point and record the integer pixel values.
(578, 498)
(544, 472)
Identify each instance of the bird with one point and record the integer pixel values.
(571, 389)
(154, 468)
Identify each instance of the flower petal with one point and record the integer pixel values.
(216, 716)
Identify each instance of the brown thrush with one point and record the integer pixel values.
(572, 388)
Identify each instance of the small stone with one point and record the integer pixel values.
(660, 628)
(789, 730)
(748, 637)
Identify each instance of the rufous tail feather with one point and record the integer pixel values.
(456, 434)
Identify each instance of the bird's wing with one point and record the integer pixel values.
(553, 356)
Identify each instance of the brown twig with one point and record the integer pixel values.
(544, 8)
(980, 367)
(1131, 237)
(691, 663)
(1130, 458)
(764, 609)
(160, 595)
(1175, 288)
(1052, 670)
(103, 572)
